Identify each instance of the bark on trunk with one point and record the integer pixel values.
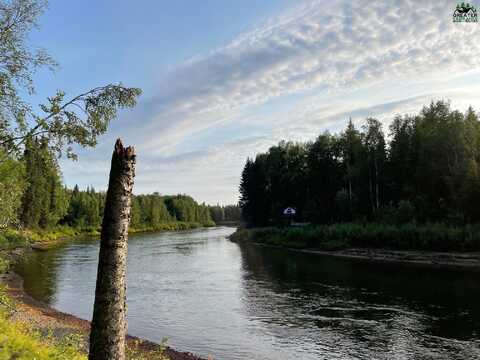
(107, 336)
(377, 187)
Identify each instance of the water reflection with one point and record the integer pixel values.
(40, 274)
(363, 308)
(211, 296)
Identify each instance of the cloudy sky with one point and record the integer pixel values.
(224, 80)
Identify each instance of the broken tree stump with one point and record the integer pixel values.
(109, 327)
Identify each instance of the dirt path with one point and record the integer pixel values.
(50, 321)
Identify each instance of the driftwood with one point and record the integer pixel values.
(109, 327)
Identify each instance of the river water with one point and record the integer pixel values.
(208, 295)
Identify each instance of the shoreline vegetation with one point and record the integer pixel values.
(436, 245)
(11, 239)
(409, 195)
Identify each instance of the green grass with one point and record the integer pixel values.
(4, 264)
(134, 351)
(171, 226)
(11, 239)
(17, 341)
(432, 237)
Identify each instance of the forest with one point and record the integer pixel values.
(38, 199)
(425, 169)
(226, 213)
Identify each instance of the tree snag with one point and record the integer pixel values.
(109, 327)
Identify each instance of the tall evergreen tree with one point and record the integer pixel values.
(44, 201)
(376, 158)
(430, 171)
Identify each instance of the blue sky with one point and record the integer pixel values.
(224, 80)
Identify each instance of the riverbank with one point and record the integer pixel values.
(45, 239)
(41, 318)
(45, 329)
(339, 248)
(470, 260)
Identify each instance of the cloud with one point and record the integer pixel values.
(327, 60)
(212, 173)
(333, 46)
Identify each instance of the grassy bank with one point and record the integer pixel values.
(18, 342)
(171, 226)
(12, 239)
(429, 237)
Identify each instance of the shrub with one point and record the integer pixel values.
(11, 239)
(409, 236)
(4, 264)
(19, 342)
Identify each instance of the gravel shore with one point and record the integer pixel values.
(440, 259)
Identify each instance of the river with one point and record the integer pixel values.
(208, 295)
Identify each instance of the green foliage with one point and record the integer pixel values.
(44, 201)
(184, 208)
(4, 264)
(134, 351)
(85, 209)
(403, 213)
(51, 235)
(428, 172)
(11, 239)
(6, 303)
(78, 120)
(241, 234)
(12, 185)
(18, 63)
(228, 213)
(62, 124)
(19, 342)
(169, 226)
(274, 181)
(432, 237)
(34, 180)
(151, 212)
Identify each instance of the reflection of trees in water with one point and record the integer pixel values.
(381, 306)
(39, 270)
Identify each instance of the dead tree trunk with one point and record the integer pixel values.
(109, 327)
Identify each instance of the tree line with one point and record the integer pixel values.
(426, 170)
(39, 200)
(226, 213)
